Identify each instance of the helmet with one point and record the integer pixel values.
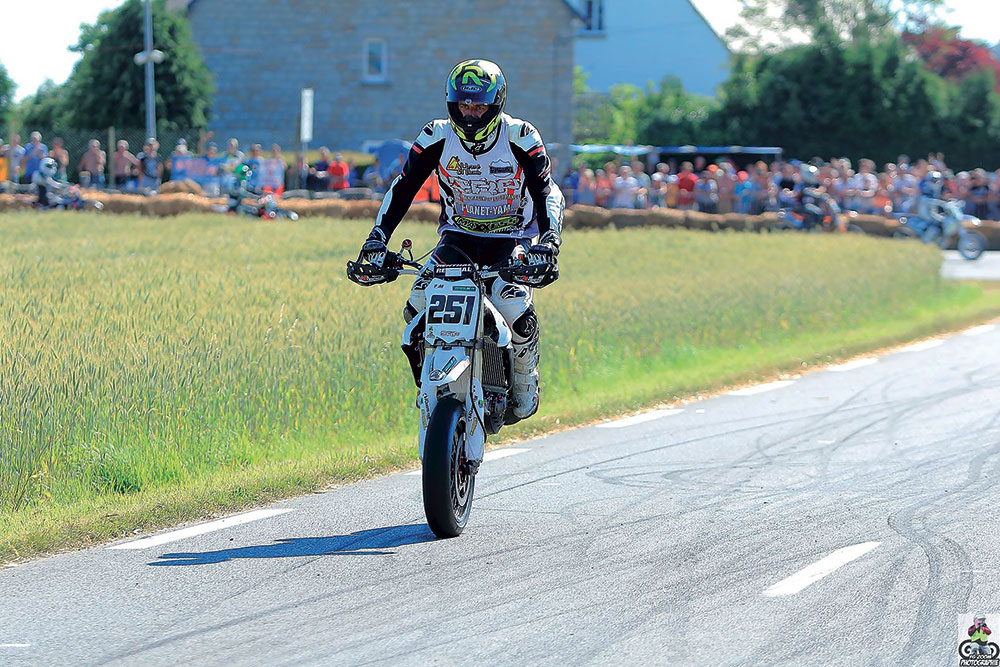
(476, 82)
(243, 173)
(48, 167)
(981, 618)
(810, 174)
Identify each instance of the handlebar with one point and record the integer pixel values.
(395, 265)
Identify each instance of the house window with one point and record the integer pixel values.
(375, 61)
(593, 10)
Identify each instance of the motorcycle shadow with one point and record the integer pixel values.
(372, 542)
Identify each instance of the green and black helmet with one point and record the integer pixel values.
(243, 173)
(476, 82)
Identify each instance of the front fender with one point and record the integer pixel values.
(445, 366)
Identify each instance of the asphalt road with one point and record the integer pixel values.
(845, 517)
(987, 267)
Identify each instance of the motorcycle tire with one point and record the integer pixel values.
(854, 229)
(905, 233)
(971, 245)
(448, 485)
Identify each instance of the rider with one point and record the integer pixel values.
(498, 200)
(979, 634)
(49, 189)
(812, 200)
(931, 205)
(240, 188)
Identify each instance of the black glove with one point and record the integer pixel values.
(373, 251)
(543, 269)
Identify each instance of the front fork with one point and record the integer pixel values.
(451, 372)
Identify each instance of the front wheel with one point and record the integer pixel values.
(448, 482)
(971, 244)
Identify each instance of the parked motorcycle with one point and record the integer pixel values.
(954, 226)
(461, 355)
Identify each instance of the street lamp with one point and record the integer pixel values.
(148, 57)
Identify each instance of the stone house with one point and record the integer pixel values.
(378, 68)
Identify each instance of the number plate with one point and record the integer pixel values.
(452, 311)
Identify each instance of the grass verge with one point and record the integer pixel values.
(159, 378)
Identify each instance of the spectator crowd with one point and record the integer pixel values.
(722, 187)
(717, 187)
(147, 169)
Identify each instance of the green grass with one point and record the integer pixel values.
(155, 371)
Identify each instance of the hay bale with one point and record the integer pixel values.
(737, 222)
(623, 218)
(991, 230)
(587, 217)
(13, 203)
(875, 225)
(762, 222)
(365, 209)
(699, 220)
(424, 212)
(669, 218)
(187, 186)
(176, 204)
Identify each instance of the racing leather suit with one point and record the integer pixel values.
(493, 201)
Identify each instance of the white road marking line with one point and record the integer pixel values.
(502, 453)
(810, 575)
(826, 442)
(200, 529)
(920, 347)
(488, 456)
(640, 418)
(700, 411)
(851, 365)
(980, 330)
(761, 388)
(14, 645)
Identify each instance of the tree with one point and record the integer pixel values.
(948, 55)
(833, 99)
(47, 108)
(108, 88)
(770, 24)
(7, 88)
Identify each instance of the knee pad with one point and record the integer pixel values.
(525, 328)
(409, 312)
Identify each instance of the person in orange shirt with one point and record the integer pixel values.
(339, 173)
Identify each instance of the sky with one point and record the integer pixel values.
(34, 45)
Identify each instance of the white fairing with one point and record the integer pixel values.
(452, 319)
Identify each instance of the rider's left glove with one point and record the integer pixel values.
(544, 253)
(373, 251)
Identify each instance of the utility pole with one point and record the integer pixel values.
(148, 57)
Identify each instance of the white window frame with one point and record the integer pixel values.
(594, 11)
(366, 75)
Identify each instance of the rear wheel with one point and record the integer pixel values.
(971, 245)
(448, 483)
(854, 229)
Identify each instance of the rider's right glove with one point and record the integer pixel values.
(374, 250)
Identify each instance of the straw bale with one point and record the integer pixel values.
(622, 218)
(699, 220)
(584, 217)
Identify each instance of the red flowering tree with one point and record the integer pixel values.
(950, 56)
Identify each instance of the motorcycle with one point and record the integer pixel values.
(461, 356)
(813, 218)
(72, 200)
(267, 208)
(969, 243)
